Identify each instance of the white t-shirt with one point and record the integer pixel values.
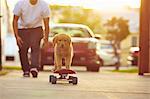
(31, 16)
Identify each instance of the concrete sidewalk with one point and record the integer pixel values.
(101, 85)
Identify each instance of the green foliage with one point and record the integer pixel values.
(79, 15)
(3, 72)
(12, 67)
(134, 70)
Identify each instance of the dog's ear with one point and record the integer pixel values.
(69, 39)
(55, 40)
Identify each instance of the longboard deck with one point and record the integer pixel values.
(65, 71)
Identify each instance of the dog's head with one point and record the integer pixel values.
(62, 40)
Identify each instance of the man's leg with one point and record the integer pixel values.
(23, 51)
(36, 36)
(23, 54)
(35, 53)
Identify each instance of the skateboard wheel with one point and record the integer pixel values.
(50, 78)
(53, 79)
(74, 80)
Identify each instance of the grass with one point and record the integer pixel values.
(7, 69)
(130, 70)
(3, 72)
(12, 67)
(133, 70)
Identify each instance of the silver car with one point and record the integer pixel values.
(107, 54)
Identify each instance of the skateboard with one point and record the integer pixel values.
(63, 75)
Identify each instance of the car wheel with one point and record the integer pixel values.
(93, 68)
(101, 62)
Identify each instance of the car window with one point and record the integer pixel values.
(106, 46)
(72, 31)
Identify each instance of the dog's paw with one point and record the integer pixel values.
(54, 70)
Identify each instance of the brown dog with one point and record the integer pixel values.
(62, 50)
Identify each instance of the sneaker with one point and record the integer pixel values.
(34, 72)
(26, 74)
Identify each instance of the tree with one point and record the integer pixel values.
(118, 30)
(79, 15)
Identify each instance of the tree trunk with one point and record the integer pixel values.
(116, 47)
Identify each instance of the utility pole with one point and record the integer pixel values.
(144, 63)
(0, 46)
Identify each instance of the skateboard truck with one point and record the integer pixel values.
(63, 76)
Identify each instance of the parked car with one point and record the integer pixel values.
(132, 59)
(107, 53)
(84, 45)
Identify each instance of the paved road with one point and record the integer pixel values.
(91, 85)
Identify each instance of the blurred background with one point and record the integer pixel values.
(115, 23)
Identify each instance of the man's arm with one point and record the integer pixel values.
(15, 28)
(46, 31)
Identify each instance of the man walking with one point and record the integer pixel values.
(27, 26)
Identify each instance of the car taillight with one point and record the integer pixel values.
(136, 53)
(92, 45)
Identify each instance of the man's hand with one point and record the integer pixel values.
(15, 28)
(45, 45)
(45, 40)
(19, 41)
